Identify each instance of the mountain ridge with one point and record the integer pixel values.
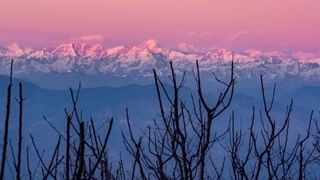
(139, 60)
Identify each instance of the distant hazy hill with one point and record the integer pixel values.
(105, 102)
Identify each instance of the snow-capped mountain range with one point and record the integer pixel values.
(139, 60)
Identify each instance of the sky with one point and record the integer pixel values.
(291, 25)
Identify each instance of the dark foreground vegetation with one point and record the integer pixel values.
(180, 144)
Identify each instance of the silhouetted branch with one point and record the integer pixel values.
(6, 125)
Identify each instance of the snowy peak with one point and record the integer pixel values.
(140, 59)
(115, 50)
(151, 44)
(77, 49)
(15, 50)
(82, 50)
(87, 50)
(64, 50)
(253, 53)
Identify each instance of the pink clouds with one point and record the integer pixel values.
(241, 24)
(237, 35)
(96, 38)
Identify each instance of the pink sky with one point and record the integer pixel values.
(234, 24)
